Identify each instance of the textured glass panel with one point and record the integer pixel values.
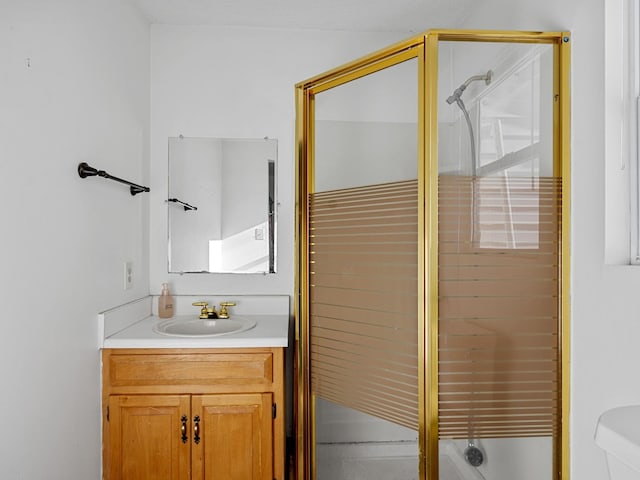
(363, 277)
(499, 230)
(364, 298)
(498, 309)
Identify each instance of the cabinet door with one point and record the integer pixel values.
(236, 441)
(149, 437)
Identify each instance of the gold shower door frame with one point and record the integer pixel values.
(424, 48)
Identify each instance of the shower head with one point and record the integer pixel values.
(457, 93)
(456, 97)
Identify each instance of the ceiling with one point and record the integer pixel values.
(412, 16)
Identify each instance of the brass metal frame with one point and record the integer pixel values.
(424, 47)
(428, 436)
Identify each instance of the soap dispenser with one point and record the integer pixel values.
(165, 302)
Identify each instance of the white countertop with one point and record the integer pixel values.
(270, 331)
(131, 325)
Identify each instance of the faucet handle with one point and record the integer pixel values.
(224, 313)
(203, 310)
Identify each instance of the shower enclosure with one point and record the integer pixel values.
(432, 290)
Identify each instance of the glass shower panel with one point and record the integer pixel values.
(499, 262)
(363, 237)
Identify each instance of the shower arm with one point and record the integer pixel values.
(457, 93)
(486, 78)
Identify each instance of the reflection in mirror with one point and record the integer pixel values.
(221, 205)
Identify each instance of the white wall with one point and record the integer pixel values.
(73, 87)
(236, 83)
(605, 329)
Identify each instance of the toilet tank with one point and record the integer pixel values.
(618, 434)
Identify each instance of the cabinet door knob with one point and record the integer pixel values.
(183, 429)
(196, 429)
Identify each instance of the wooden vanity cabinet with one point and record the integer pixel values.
(200, 414)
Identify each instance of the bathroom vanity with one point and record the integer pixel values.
(200, 407)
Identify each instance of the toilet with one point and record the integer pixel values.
(618, 434)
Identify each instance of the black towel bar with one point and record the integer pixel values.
(84, 170)
(186, 206)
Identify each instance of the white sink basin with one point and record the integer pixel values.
(197, 327)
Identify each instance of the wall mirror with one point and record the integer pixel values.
(222, 205)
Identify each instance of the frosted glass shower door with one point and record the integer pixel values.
(363, 277)
(499, 260)
(433, 261)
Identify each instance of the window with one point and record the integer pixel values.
(632, 74)
(621, 174)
